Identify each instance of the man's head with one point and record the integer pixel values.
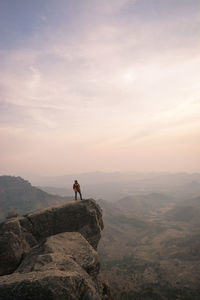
(75, 181)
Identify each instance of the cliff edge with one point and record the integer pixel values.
(51, 254)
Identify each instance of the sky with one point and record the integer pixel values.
(99, 85)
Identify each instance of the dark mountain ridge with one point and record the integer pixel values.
(17, 194)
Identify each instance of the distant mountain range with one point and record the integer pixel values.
(17, 194)
(116, 185)
(105, 177)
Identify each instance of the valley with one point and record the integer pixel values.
(152, 253)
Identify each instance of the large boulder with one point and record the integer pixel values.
(57, 250)
(64, 266)
(19, 235)
(51, 254)
(13, 245)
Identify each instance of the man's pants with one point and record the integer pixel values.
(79, 194)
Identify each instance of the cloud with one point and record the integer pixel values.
(101, 75)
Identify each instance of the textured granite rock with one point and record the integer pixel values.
(13, 245)
(19, 235)
(65, 266)
(57, 250)
(51, 254)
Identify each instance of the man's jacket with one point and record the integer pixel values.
(76, 187)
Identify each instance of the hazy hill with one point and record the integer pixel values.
(109, 208)
(141, 205)
(17, 194)
(186, 211)
(56, 190)
(151, 248)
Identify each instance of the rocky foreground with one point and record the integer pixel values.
(51, 254)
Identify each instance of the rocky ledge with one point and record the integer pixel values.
(51, 254)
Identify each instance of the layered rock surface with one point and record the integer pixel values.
(51, 254)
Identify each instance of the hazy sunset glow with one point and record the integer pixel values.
(109, 85)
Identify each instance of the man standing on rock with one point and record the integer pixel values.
(76, 188)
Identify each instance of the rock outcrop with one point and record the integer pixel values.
(51, 254)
